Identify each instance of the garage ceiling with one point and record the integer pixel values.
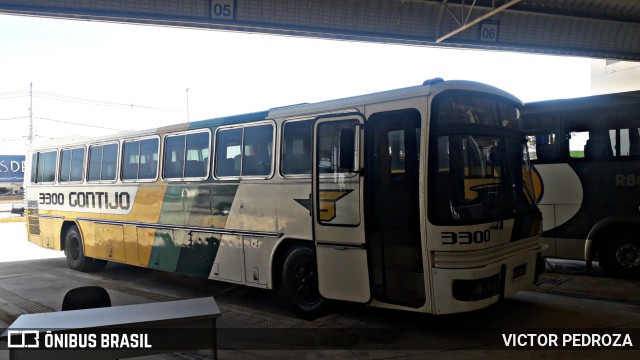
(590, 28)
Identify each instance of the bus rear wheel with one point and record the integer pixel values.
(621, 257)
(74, 252)
(300, 283)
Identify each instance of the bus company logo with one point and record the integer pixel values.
(20, 339)
(328, 200)
(327, 205)
(99, 200)
(32, 339)
(90, 199)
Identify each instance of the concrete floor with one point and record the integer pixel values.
(255, 324)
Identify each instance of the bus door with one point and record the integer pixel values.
(338, 226)
(392, 203)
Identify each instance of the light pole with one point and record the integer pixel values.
(188, 119)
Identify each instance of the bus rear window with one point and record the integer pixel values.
(44, 167)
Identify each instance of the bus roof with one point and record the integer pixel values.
(586, 102)
(428, 87)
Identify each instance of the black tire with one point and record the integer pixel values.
(300, 283)
(620, 257)
(74, 251)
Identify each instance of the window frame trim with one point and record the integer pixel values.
(138, 180)
(282, 146)
(163, 149)
(55, 179)
(115, 180)
(243, 126)
(84, 164)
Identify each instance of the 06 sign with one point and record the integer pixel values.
(489, 31)
(223, 9)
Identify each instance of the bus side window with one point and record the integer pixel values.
(197, 155)
(296, 147)
(629, 142)
(102, 162)
(228, 146)
(546, 147)
(109, 162)
(140, 159)
(257, 150)
(186, 156)
(578, 143)
(597, 147)
(46, 167)
(71, 165)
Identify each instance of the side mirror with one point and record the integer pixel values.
(347, 149)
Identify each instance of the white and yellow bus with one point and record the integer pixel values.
(416, 199)
(587, 178)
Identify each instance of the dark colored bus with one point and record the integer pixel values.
(586, 157)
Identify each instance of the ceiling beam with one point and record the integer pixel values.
(464, 25)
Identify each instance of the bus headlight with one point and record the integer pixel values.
(477, 289)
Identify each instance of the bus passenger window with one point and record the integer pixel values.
(296, 148)
(227, 150)
(197, 155)
(71, 165)
(46, 167)
(186, 156)
(109, 160)
(34, 168)
(257, 154)
(543, 147)
(140, 159)
(597, 147)
(173, 157)
(102, 162)
(577, 143)
(630, 142)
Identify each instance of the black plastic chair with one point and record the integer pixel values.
(86, 297)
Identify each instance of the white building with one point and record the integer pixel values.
(611, 76)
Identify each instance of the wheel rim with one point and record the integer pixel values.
(628, 255)
(74, 248)
(306, 282)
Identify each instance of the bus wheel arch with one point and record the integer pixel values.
(618, 249)
(296, 278)
(73, 246)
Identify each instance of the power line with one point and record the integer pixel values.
(13, 138)
(14, 96)
(79, 100)
(25, 92)
(79, 124)
(15, 118)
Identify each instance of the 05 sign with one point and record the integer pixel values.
(223, 9)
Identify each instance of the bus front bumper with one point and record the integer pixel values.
(467, 289)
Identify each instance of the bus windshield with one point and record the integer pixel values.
(479, 164)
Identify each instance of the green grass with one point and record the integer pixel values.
(576, 153)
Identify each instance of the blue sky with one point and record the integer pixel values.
(113, 77)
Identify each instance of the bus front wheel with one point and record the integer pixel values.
(621, 256)
(74, 252)
(300, 283)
